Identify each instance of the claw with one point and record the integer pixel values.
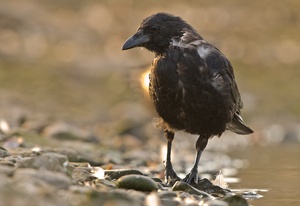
(191, 178)
(170, 176)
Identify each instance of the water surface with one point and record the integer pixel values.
(276, 168)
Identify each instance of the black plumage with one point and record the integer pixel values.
(192, 84)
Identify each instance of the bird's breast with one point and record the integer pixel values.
(185, 99)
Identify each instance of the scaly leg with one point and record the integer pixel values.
(169, 172)
(192, 177)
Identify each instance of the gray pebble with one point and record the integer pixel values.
(4, 153)
(167, 194)
(47, 161)
(56, 179)
(168, 202)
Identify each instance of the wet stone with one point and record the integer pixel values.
(236, 200)
(251, 195)
(157, 180)
(116, 174)
(207, 186)
(182, 186)
(137, 182)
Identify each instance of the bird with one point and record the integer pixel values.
(192, 85)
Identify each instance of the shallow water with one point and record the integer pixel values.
(275, 168)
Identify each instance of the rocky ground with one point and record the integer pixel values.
(60, 164)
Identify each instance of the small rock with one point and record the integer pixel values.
(167, 202)
(4, 153)
(207, 186)
(100, 183)
(137, 182)
(47, 161)
(182, 186)
(236, 200)
(167, 194)
(138, 195)
(64, 131)
(153, 200)
(251, 195)
(13, 142)
(113, 198)
(10, 160)
(215, 203)
(82, 174)
(6, 170)
(116, 174)
(72, 154)
(56, 179)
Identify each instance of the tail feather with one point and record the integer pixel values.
(237, 125)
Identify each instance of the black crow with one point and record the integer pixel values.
(192, 84)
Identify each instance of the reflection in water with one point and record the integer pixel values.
(275, 168)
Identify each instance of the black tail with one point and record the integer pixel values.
(237, 125)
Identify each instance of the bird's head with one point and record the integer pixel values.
(156, 32)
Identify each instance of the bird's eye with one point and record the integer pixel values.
(153, 28)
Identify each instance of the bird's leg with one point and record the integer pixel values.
(192, 177)
(169, 172)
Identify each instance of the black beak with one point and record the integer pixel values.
(138, 39)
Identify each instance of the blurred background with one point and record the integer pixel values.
(62, 61)
(64, 58)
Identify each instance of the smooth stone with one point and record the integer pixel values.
(137, 182)
(116, 174)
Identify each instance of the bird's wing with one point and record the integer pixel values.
(222, 76)
(206, 61)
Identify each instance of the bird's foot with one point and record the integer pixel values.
(191, 178)
(171, 176)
